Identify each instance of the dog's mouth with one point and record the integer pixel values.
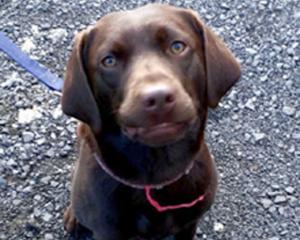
(158, 135)
(153, 156)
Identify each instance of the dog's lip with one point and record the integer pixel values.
(157, 134)
(156, 130)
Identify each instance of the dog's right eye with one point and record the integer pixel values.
(177, 47)
(109, 61)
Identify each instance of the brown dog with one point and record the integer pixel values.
(141, 82)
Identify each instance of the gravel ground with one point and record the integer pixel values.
(254, 134)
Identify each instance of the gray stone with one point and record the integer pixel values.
(27, 189)
(37, 212)
(289, 110)
(296, 135)
(275, 186)
(37, 197)
(46, 216)
(27, 136)
(70, 128)
(293, 201)
(274, 238)
(280, 199)
(284, 232)
(57, 113)
(41, 141)
(251, 51)
(264, 2)
(289, 190)
(290, 51)
(3, 236)
(258, 136)
(266, 203)
(50, 153)
(48, 236)
(272, 209)
(46, 180)
(28, 115)
(57, 35)
(281, 210)
(264, 78)
(219, 227)
(250, 105)
(1, 151)
(26, 168)
(291, 149)
(49, 207)
(54, 183)
(11, 162)
(16, 202)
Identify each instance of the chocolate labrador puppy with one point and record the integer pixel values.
(141, 82)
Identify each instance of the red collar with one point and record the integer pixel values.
(148, 188)
(160, 208)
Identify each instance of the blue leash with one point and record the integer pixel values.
(37, 70)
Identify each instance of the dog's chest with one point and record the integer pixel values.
(162, 229)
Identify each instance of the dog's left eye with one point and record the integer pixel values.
(109, 61)
(177, 47)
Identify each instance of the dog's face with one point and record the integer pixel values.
(151, 72)
(151, 67)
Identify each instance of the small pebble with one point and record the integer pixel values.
(251, 51)
(289, 110)
(258, 136)
(266, 203)
(47, 217)
(296, 135)
(49, 236)
(250, 105)
(46, 180)
(27, 136)
(50, 153)
(281, 210)
(290, 190)
(28, 115)
(274, 238)
(280, 199)
(57, 35)
(218, 227)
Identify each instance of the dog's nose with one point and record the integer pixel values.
(159, 97)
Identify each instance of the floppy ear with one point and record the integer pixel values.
(77, 97)
(222, 68)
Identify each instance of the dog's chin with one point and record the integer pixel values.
(158, 135)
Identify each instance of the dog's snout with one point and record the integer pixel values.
(158, 98)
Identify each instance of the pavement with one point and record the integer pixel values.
(254, 134)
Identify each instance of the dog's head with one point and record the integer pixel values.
(151, 72)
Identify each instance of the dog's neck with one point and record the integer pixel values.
(143, 164)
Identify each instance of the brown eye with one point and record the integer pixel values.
(109, 61)
(177, 47)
